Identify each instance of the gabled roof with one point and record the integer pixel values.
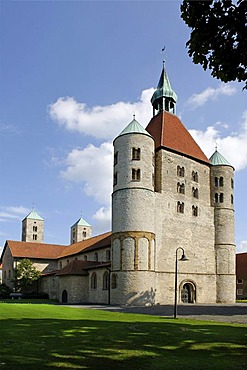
(217, 159)
(34, 250)
(169, 132)
(81, 222)
(96, 242)
(79, 267)
(34, 216)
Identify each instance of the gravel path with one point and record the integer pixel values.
(234, 313)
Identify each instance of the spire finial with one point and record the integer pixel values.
(33, 207)
(134, 116)
(216, 146)
(163, 54)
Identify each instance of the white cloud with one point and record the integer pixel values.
(197, 100)
(103, 122)
(233, 147)
(92, 166)
(242, 247)
(103, 218)
(13, 212)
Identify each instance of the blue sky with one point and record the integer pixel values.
(72, 74)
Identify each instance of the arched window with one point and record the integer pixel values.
(85, 257)
(34, 237)
(35, 228)
(136, 174)
(93, 281)
(195, 192)
(194, 210)
(216, 182)
(108, 255)
(114, 281)
(180, 188)
(180, 171)
(231, 199)
(96, 257)
(232, 183)
(180, 207)
(115, 178)
(60, 265)
(84, 234)
(221, 181)
(221, 197)
(136, 154)
(115, 158)
(216, 198)
(195, 176)
(106, 280)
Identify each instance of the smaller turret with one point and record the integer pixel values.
(164, 98)
(33, 228)
(222, 187)
(81, 230)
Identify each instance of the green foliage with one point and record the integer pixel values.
(26, 274)
(52, 337)
(4, 291)
(218, 37)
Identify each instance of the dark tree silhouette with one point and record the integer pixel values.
(218, 39)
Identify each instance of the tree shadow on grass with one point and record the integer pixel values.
(152, 343)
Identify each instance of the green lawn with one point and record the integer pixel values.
(39, 336)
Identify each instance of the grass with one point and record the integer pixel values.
(51, 337)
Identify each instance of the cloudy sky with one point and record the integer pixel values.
(72, 75)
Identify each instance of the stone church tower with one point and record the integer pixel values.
(166, 199)
(222, 185)
(33, 228)
(81, 230)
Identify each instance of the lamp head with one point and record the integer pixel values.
(184, 258)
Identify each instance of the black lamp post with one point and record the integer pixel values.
(183, 258)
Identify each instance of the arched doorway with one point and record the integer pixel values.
(64, 296)
(188, 292)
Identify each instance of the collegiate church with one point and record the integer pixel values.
(169, 200)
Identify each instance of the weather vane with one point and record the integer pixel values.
(163, 54)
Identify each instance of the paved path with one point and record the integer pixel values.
(233, 313)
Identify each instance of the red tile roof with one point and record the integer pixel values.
(79, 267)
(169, 132)
(96, 242)
(34, 250)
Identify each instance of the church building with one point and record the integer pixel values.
(168, 201)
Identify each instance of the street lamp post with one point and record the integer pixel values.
(183, 258)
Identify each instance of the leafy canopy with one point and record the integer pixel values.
(26, 273)
(218, 37)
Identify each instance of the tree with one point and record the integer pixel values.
(218, 37)
(26, 274)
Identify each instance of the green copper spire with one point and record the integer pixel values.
(164, 98)
(34, 216)
(217, 159)
(134, 127)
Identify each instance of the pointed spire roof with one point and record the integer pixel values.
(34, 216)
(134, 127)
(164, 89)
(81, 222)
(217, 159)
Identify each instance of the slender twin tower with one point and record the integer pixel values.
(168, 195)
